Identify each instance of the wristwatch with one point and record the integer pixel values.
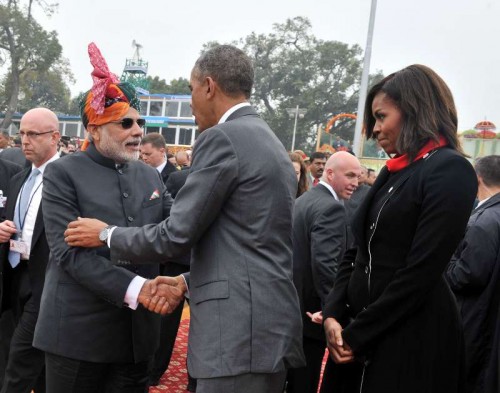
(104, 234)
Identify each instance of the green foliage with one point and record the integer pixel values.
(176, 86)
(293, 67)
(37, 70)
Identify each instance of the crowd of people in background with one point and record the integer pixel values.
(395, 271)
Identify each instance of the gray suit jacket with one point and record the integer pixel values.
(235, 212)
(319, 242)
(82, 315)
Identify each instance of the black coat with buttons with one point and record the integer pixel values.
(82, 312)
(398, 313)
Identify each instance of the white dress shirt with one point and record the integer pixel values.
(161, 166)
(35, 199)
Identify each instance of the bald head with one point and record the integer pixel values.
(182, 158)
(43, 117)
(39, 131)
(342, 171)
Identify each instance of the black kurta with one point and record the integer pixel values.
(398, 313)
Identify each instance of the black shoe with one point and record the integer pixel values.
(191, 387)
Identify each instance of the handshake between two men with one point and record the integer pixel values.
(161, 295)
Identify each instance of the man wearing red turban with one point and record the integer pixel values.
(96, 336)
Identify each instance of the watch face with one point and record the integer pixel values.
(103, 235)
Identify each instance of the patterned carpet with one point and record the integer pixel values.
(175, 379)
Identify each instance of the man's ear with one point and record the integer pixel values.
(210, 88)
(93, 131)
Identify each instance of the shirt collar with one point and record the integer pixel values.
(160, 167)
(231, 110)
(42, 167)
(482, 202)
(330, 188)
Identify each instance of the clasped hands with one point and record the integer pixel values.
(339, 350)
(163, 294)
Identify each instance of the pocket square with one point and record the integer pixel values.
(154, 195)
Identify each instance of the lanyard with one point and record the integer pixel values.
(21, 223)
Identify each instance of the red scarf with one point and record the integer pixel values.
(401, 161)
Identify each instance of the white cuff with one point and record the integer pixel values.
(187, 287)
(133, 290)
(108, 241)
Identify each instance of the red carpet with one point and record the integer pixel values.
(175, 379)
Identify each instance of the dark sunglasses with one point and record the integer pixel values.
(128, 122)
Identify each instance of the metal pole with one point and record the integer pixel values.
(364, 82)
(295, 127)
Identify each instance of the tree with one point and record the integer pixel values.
(176, 86)
(293, 67)
(33, 54)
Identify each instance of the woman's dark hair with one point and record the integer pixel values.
(426, 104)
(303, 184)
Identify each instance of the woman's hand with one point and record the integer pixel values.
(339, 350)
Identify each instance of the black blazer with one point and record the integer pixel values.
(167, 170)
(7, 170)
(39, 254)
(319, 241)
(82, 315)
(176, 180)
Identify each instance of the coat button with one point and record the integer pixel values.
(120, 171)
(366, 270)
(130, 219)
(125, 195)
(372, 226)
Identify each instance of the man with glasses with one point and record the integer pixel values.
(24, 251)
(95, 335)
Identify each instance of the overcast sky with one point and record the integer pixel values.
(457, 38)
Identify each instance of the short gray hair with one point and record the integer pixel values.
(488, 168)
(230, 67)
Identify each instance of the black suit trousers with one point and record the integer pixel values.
(169, 327)
(306, 379)
(65, 375)
(25, 366)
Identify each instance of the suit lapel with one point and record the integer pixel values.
(17, 183)
(38, 229)
(15, 186)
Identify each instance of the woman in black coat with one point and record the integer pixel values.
(391, 320)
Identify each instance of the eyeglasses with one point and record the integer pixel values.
(128, 122)
(33, 134)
